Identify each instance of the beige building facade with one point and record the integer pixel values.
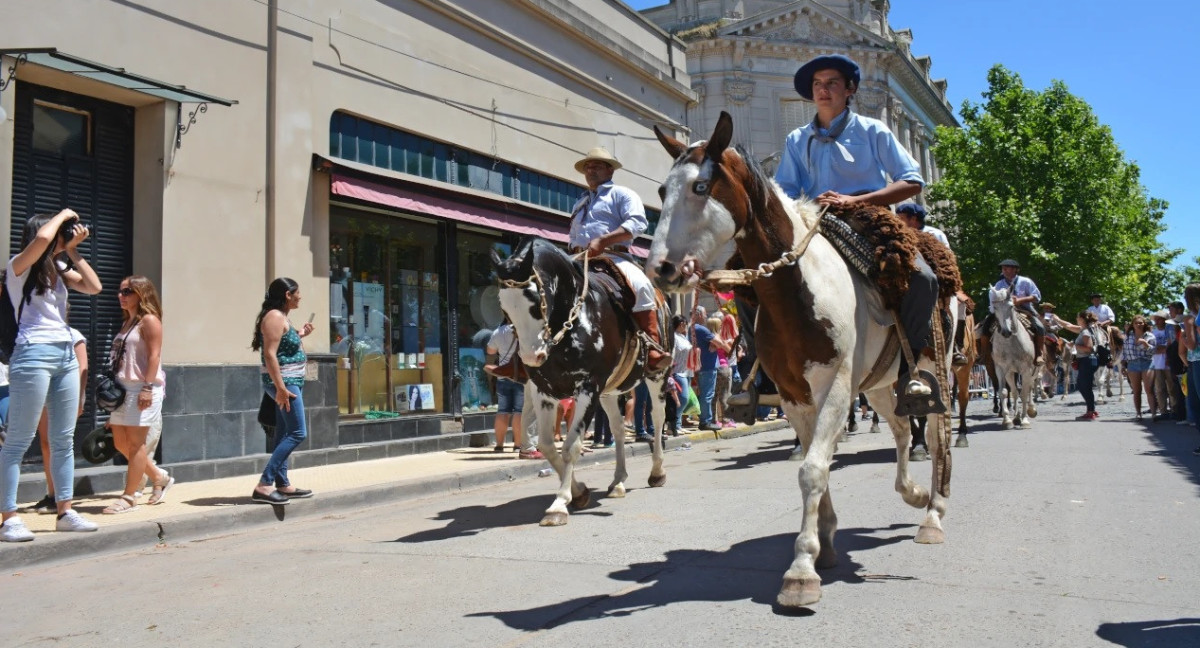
(376, 151)
(742, 56)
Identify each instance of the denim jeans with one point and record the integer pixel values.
(706, 385)
(41, 376)
(1193, 393)
(290, 431)
(4, 404)
(1087, 376)
(643, 423)
(685, 385)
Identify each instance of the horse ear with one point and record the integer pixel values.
(721, 137)
(673, 146)
(496, 260)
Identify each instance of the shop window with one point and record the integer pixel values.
(478, 315)
(387, 306)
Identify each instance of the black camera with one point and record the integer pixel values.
(67, 231)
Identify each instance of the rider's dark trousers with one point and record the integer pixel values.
(916, 309)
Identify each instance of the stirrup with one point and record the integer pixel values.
(917, 404)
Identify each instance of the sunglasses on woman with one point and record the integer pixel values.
(126, 292)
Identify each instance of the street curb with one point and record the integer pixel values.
(58, 547)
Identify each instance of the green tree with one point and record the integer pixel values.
(1036, 177)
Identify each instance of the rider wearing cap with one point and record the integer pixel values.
(1025, 297)
(605, 219)
(1104, 314)
(842, 158)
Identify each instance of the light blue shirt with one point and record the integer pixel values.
(602, 211)
(859, 161)
(1024, 288)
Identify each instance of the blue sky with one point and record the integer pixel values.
(1133, 62)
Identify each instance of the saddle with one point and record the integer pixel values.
(605, 273)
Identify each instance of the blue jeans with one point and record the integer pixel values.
(685, 385)
(41, 376)
(643, 423)
(290, 431)
(4, 404)
(510, 396)
(1087, 376)
(706, 386)
(1193, 394)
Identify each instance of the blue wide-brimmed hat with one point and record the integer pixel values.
(843, 64)
(912, 208)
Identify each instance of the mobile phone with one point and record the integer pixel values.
(311, 317)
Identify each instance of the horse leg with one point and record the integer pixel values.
(930, 531)
(819, 431)
(568, 490)
(1009, 385)
(1030, 404)
(963, 384)
(612, 409)
(883, 399)
(918, 451)
(852, 421)
(874, 423)
(658, 409)
(544, 408)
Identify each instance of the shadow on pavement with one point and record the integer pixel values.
(1174, 632)
(768, 453)
(752, 569)
(876, 456)
(471, 520)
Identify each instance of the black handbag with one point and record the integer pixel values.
(266, 413)
(110, 394)
(98, 447)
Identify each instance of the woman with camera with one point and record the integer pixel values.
(137, 360)
(43, 370)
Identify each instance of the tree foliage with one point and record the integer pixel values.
(1034, 176)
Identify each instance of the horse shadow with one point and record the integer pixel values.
(471, 520)
(1173, 632)
(767, 453)
(863, 457)
(751, 569)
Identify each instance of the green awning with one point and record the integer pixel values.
(54, 59)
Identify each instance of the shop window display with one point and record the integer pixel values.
(386, 312)
(478, 315)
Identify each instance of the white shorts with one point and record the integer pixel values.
(642, 287)
(128, 413)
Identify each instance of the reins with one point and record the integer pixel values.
(747, 276)
(536, 279)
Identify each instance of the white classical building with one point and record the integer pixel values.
(742, 56)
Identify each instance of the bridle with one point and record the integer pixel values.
(536, 280)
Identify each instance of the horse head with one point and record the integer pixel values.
(1002, 306)
(529, 282)
(705, 203)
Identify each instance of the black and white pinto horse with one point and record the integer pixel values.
(578, 341)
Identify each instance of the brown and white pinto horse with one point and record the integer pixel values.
(821, 324)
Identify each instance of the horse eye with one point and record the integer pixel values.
(700, 188)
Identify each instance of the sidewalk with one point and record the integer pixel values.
(221, 506)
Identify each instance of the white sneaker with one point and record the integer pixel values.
(14, 530)
(72, 521)
(917, 388)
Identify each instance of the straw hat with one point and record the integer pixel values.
(599, 153)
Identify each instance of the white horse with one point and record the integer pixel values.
(824, 323)
(1012, 353)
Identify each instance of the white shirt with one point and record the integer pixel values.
(1102, 312)
(44, 320)
(683, 348)
(504, 342)
(937, 234)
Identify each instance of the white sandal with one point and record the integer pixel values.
(160, 489)
(124, 504)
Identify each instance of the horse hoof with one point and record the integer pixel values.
(554, 519)
(657, 481)
(617, 491)
(581, 500)
(1008, 425)
(930, 535)
(961, 442)
(799, 592)
(853, 426)
(1032, 412)
(1025, 425)
(827, 559)
(918, 454)
(874, 428)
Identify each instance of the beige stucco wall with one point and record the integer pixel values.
(533, 82)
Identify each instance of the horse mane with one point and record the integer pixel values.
(765, 194)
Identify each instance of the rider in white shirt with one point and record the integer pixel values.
(1104, 315)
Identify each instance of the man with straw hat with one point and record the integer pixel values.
(604, 221)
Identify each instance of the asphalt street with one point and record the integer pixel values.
(1066, 534)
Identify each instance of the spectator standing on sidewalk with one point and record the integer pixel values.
(722, 346)
(1139, 350)
(510, 394)
(706, 375)
(46, 504)
(1176, 365)
(1191, 297)
(137, 360)
(679, 368)
(43, 371)
(283, 363)
(1158, 366)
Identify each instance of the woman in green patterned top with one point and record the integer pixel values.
(283, 363)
